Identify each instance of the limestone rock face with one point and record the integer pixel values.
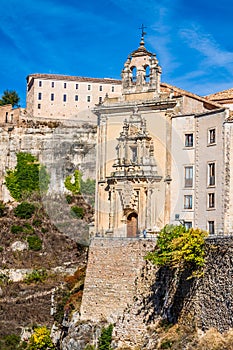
(61, 148)
(20, 246)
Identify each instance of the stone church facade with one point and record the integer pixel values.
(164, 155)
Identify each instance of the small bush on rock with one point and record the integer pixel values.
(24, 210)
(77, 212)
(16, 229)
(34, 243)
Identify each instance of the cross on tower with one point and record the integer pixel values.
(142, 29)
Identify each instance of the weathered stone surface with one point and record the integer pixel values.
(20, 246)
(113, 266)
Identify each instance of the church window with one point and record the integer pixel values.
(39, 96)
(52, 97)
(134, 74)
(40, 83)
(39, 105)
(76, 86)
(211, 136)
(188, 140)
(76, 97)
(64, 85)
(100, 88)
(113, 88)
(88, 98)
(211, 174)
(100, 99)
(52, 84)
(64, 98)
(211, 228)
(188, 202)
(147, 74)
(88, 87)
(188, 180)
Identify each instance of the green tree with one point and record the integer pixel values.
(179, 247)
(10, 97)
(105, 338)
(27, 177)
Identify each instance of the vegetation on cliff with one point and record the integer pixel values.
(29, 176)
(179, 247)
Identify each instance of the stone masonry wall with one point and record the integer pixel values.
(113, 267)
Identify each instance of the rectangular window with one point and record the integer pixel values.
(40, 83)
(64, 85)
(211, 174)
(211, 136)
(100, 99)
(38, 106)
(113, 89)
(52, 97)
(88, 87)
(211, 200)
(100, 88)
(188, 140)
(64, 98)
(188, 225)
(52, 84)
(76, 86)
(211, 227)
(40, 96)
(188, 202)
(88, 98)
(76, 97)
(188, 180)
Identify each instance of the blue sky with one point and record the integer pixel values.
(192, 40)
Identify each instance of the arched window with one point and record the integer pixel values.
(147, 73)
(134, 74)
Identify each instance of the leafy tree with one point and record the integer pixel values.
(179, 247)
(27, 177)
(10, 97)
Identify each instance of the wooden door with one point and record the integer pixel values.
(132, 225)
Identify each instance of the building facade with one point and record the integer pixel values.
(164, 156)
(61, 97)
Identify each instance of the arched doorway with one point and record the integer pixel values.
(132, 225)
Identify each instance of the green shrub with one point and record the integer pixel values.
(2, 208)
(77, 212)
(34, 242)
(44, 229)
(27, 177)
(89, 347)
(27, 228)
(37, 222)
(88, 186)
(1, 249)
(24, 210)
(36, 276)
(10, 342)
(69, 198)
(105, 339)
(16, 229)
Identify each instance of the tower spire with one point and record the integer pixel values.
(142, 28)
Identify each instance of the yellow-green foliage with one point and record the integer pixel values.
(40, 339)
(75, 185)
(179, 247)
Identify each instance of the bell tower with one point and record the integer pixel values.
(141, 72)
